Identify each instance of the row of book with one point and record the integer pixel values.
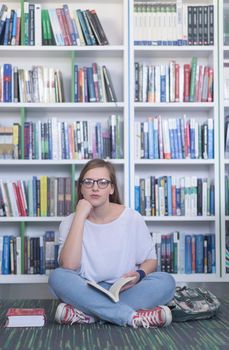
(38, 84)
(173, 23)
(44, 84)
(64, 140)
(176, 252)
(40, 254)
(62, 26)
(93, 84)
(179, 252)
(174, 196)
(173, 82)
(174, 138)
(46, 196)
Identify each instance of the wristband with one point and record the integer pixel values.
(142, 274)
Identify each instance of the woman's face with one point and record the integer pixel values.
(97, 193)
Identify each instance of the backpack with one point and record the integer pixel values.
(193, 304)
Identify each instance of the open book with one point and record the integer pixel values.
(114, 290)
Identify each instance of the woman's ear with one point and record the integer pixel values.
(112, 190)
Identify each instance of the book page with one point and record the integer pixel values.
(115, 288)
(113, 292)
(100, 288)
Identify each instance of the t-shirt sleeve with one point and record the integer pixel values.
(144, 244)
(64, 229)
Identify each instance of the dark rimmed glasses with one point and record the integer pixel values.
(101, 183)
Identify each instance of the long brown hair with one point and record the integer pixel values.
(99, 163)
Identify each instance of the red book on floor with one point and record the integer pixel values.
(20, 317)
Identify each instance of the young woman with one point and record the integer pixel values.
(103, 241)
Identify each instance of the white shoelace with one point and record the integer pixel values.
(76, 316)
(146, 321)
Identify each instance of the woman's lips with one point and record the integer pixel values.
(94, 196)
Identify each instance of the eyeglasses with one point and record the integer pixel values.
(101, 183)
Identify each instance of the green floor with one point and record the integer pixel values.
(207, 334)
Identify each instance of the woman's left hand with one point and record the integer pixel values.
(131, 283)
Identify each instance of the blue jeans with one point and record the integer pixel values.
(155, 289)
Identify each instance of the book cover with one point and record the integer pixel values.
(97, 26)
(113, 292)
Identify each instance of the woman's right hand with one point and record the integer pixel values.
(83, 208)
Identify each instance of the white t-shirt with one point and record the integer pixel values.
(113, 249)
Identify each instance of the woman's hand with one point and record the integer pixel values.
(83, 208)
(131, 283)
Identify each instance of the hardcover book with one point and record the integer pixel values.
(19, 317)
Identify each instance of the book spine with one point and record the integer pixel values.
(211, 25)
(84, 27)
(6, 255)
(69, 24)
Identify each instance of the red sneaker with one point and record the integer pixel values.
(160, 316)
(67, 314)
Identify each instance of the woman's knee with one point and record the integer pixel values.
(168, 286)
(167, 281)
(171, 283)
(56, 277)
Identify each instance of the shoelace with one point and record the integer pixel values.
(149, 319)
(141, 321)
(75, 316)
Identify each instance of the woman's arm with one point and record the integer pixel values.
(70, 256)
(148, 266)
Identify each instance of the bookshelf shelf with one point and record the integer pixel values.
(32, 219)
(174, 162)
(181, 106)
(226, 104)
(64, 52)
(174, 51)
(36, 49)
(21, 279)
(180, 218)
(174, 48)
(64, 107)
(49, 162)
(200, 277)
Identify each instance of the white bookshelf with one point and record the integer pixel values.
(139, 111)
(117, 19)
(224, 110)
(113, 15)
